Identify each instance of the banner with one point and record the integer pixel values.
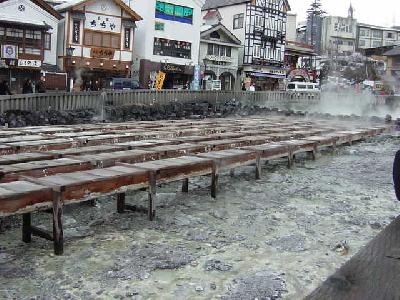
(160, 80)
(9, 51)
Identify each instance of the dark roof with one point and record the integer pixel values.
(393, 52)
(210, 4)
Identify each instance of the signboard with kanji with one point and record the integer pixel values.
(102, 53)
(102, 23)
(29, 63)
(160, 80)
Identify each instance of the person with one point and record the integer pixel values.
(27, 87)
(252, 88)
(5, 88)
(40, 86)
(243, 86)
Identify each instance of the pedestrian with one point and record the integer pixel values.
(27, 88)
(252, 88)
(41, 86)
(5, 88)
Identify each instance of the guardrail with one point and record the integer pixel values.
(97, 100)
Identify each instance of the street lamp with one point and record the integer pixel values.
(69, 53)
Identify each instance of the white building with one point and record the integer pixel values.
(371, 36)
(96, 41)
(28, 38)
(339, 34)
(168, 41)
(291, 27)
(219, 54)
(260, 25)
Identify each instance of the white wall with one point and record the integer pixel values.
(291, 27)
(145, 32)
(35, 14)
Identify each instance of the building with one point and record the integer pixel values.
(28, 38)
(393, 67)
(260, 25)
(339, 35)
(96, 42)
(371, 36)
(169, 38)
(291, 27)
(219, 54)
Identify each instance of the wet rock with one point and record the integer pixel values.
(219, 214)
(263, 284)
(217, 265)
(291, 243)
(375, 225)
(342, 248)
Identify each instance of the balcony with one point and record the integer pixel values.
(219, 58)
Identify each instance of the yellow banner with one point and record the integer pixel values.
(160, 80)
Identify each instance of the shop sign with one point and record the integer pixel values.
(275, 71)
(9, 51)
(171, 68)
(102, 23)
(76, 31)
(218, 58)
(30, 63)
(102, 53)
(160, 80)
(196, 78)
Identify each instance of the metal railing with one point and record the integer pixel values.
(97, 100)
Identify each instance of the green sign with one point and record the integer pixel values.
(174, 12)
(159, 26)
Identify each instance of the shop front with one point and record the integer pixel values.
(177, 77)
(264, 79)
(17, 71)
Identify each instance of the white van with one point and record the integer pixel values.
(301, 89)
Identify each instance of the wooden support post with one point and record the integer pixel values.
(290, 160)
(232, 172)
(26, 228)
(120, 203)
(152, 196)
(214, 180)
(258, 167)
(58, 234)
(185, 185)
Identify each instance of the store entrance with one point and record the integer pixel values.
(177, 81)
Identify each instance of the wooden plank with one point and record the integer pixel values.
(87, 150)
(373, 273)
(22, 196)
(24, 157)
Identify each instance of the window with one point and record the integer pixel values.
(29, 50)
(390, 35)
(33, 34)
(159, 26)
(257, 51)
(215, 35)
(172, 12)
(350, 43)
(377, 34)
(376, 44)
(99, 39)
(362, 32)
(2, 31)
(362, 43)
(16, 33)
(238, 21)
(47, 41)
(219, 50)
(172, 48)
(259, 21)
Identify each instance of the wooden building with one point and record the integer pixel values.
(28, 39)
(97, 42)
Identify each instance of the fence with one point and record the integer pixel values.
(97, 100)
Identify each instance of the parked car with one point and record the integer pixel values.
(125, 84)
(301, 89)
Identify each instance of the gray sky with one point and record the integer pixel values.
(381, 12)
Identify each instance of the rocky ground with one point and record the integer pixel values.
(278, 237)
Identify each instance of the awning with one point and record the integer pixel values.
(280, 76)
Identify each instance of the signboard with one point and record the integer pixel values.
(196, 78)
(160, 80)
(9, 51)
(102, 23)
(102, 53)
(76, 31)
(171, 68)
(29, 63)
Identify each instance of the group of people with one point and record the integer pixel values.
(27, 88)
